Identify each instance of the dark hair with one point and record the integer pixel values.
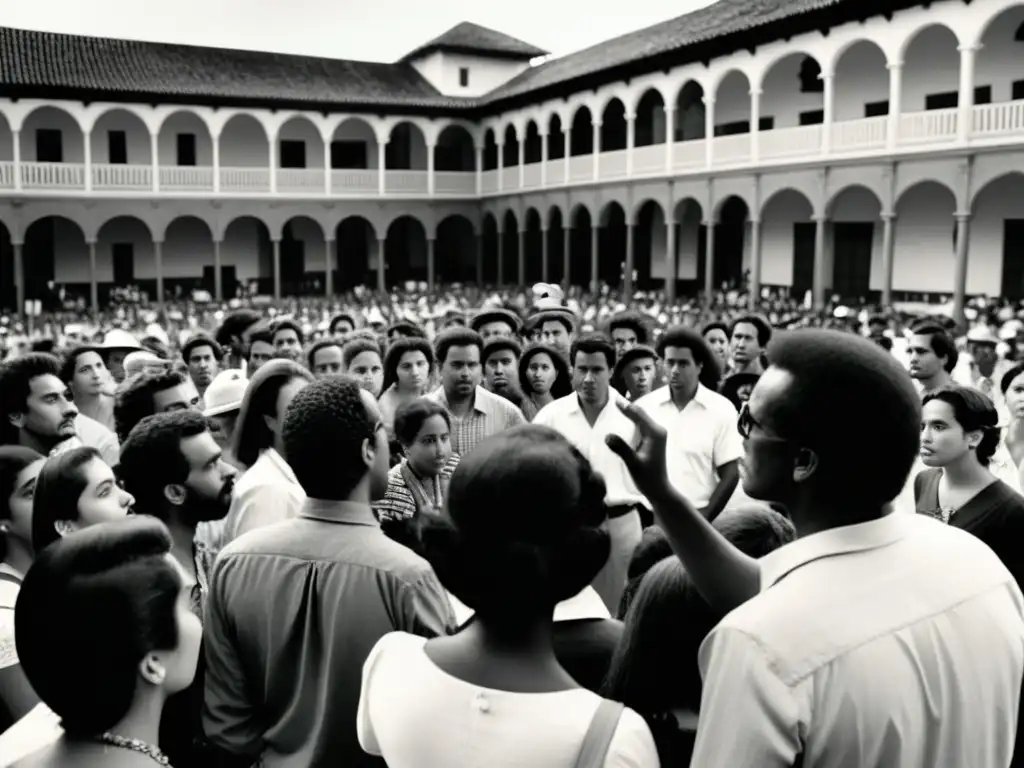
(562, 385)
(151, 457)
(399, 347)
(199, 340)
(323, 433)
(235, 325)
(523, 530)
(654, 547)
(16, 385)
(942, 343)
(593, 344)
(410, 416)
(352, 349)
(252, 435)
(13, 461)
(553, 316)
(111, 588)
(338, 318)
(499, 344)
(264, 335)
(633, 322)
(842, 378)
(456, 337)
(70, 363)
(60, 485)
(156, 346)
(764, 330)
(330, 341)
(685, 338)
(405, 328)
(134, 398)
(286, 324)
(654, 667)
(716, 326)
(974, 412)
(1009, 376)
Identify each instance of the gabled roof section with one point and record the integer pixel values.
(50, 65)
(472, 39)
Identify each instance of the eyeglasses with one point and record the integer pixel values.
(746, 422)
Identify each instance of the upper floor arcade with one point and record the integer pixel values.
(946, 78)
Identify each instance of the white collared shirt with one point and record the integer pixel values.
(701, 438)
(266, 493)
(565, 415)
(897, 643)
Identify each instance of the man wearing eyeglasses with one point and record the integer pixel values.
(703, 444)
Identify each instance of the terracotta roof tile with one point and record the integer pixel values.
(470, 37)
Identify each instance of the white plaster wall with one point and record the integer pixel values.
(998, 202)
(442, 71)
(861, 78)
(49, 117)
(243, 144)
(136, 137)
(358, 130)
(185, 122)
(777, 220)
(924, 251)
(302, 130)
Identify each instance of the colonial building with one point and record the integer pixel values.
(851, 147)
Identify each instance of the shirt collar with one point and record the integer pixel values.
(345, 512)
(276, 460)
(700, 397)
(846, 539)
(613, 397)
(480, 402)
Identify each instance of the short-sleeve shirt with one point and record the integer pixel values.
(491, 414)
(701, 438)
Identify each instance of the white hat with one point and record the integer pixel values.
(982, 334)
(118, 339)
(225, 392)
(142, 360)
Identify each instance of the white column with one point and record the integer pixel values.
(627, 277)
(895, 103)
(331, 254)
(965, 111)
(670, 258)
(709, 130)
(888, 248)
(19, 276)
(215, 143)
(501, 164)
(16, 138)
(567, 154)
(218, 283)
(596, 132)
(828, 81)
(544, 267)
(430, 263)
(479, 170)
(566, 255)
(277, 268)
(154, 150)
(521, 258)
(381, 265)
(381, 172)
(755, 263)
(755, 124)
(94, 293)
(819, 261)
(630, 142)
(431, 184)
(158, 261)
(709, 262)
(595, 281)
(273, 163)
(87, 157)
(963, 233)
(327, 168)
(544, 159)
(521, 145)
(670, 136)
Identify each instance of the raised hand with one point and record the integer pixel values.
(647, 462)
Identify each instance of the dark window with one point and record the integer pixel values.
(1018, 91)
(983, 94)
(117, 147)
(1019, 34)
(876, 109)
(124, 263)
(49, 145)
(814, 117)
(733, 129)
(464, 76)
(941, 100)
(766, 124)
(810, 77)
(186, 149)
(293, 153)
(348, 154)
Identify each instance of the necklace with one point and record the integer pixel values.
(135, 745)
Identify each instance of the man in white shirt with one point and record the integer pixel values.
(703, 444)
(586, 418)
(875, 639)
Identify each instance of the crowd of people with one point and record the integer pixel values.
(481, 528)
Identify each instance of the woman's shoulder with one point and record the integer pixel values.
(632, 744)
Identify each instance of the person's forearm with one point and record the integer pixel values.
(723, 575)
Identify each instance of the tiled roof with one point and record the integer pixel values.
(45, 60)
(468, 37)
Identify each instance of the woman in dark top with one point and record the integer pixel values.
(959, 435)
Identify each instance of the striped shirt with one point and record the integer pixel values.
(491, 414)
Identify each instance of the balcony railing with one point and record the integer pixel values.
(915, 131)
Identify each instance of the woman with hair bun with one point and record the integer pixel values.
(959, 436)
(522, 534)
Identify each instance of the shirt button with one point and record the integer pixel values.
(481, 703)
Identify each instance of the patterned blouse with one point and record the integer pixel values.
(407, 494)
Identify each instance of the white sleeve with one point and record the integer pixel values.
(364, 722)
(632, 745)
(728, 443)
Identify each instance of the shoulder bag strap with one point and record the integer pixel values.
(599, 735)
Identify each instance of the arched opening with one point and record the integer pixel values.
(1001, 52)
(856, 237)
(533, 145)
(8, 288)
(51, 135)
(246, 244)
(121, 152)
(188, 259)
(244, 155)
(489, 247)
(690, 124)
(185, 150)
(787, 242)
(861, 69)
(611, 245)
(580, 246)
(454, 151)
(689, 239)
(6, 150)
(125, 256)
(730, 239)
(533, 248)
(354, 148)
(490, 151)
(649, 123)
(405, 252)
(55, 256)
(613, 126)
(732, 106)
(931, 79)
(455, 250)
(510, 254)
(792, 93)
(303, 257)
(406, 149)
(556, 246)
(996, 245)
(356, 239)
(556, 139)
(925, 249)
(510, 149)
(650, 249)
(300, 157)
(582, 140)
